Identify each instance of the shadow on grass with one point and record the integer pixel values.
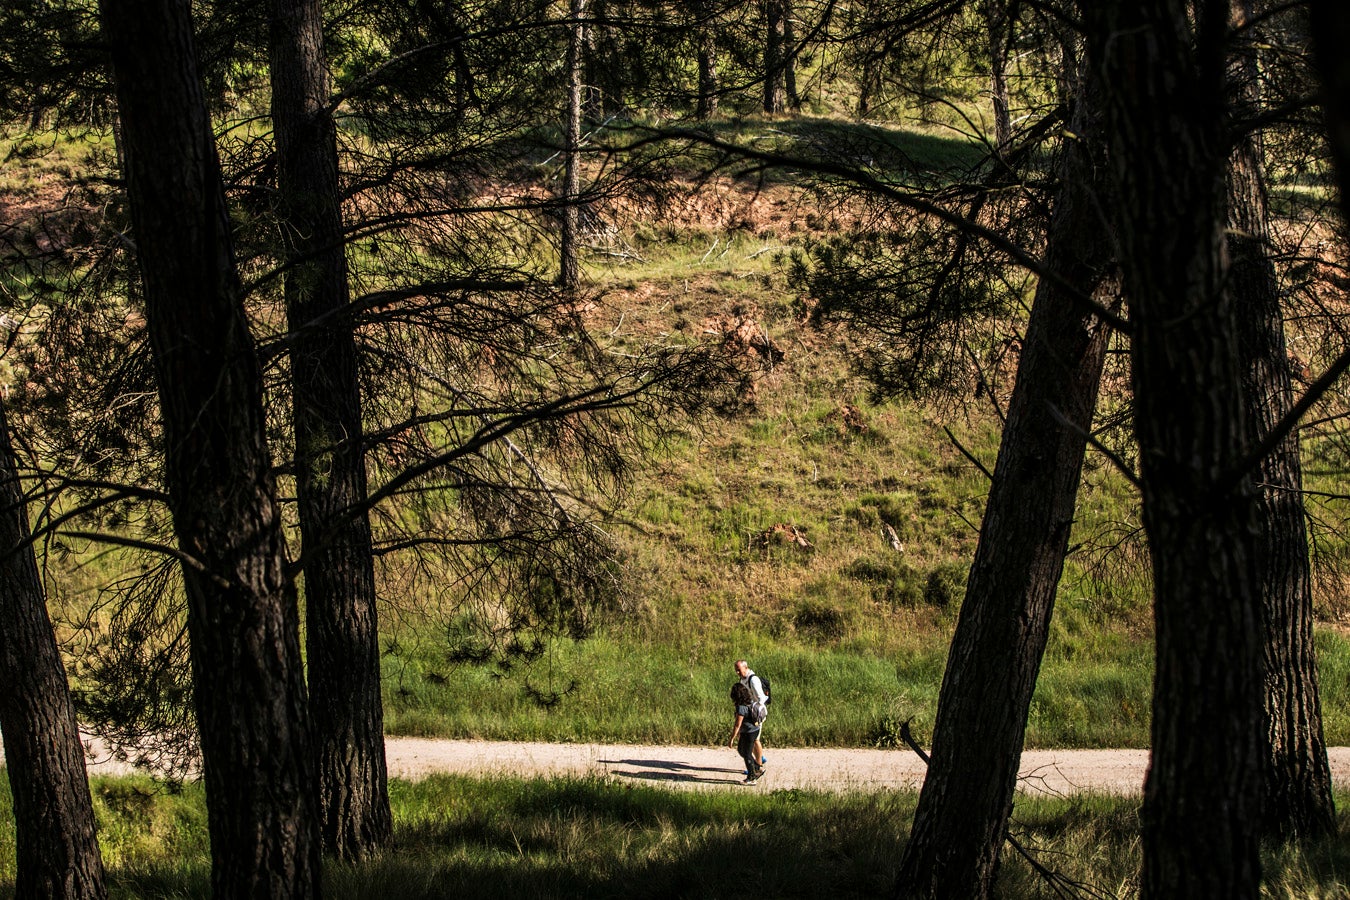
(458, 837)
(595, 838)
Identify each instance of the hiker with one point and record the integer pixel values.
(745, 734)
(758, 695)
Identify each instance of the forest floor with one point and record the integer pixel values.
(1044, 772)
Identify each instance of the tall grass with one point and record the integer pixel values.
(459, 837)
(625, 690)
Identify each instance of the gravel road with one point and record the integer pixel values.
(1041, 771)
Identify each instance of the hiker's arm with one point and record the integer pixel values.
(735, 732)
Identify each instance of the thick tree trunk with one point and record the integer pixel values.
(963, 809)
(1331, 32)
(569, 267)
(247, 677)
(1297, 775)
(347, 714)
(1162, 65)
(56, 850)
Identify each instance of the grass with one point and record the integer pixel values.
(853, 630)
(666, 693)
(622, 694)
(464, 837)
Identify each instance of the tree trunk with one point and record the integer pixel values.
(789, 54)
(707, 61)
(996, 15)
(601, 61)
(343, 636)
(1331, 31)
(996, 652)
(775, 16)
(569, 268)
(56, 850)
(1296, 773)
(1164, 88)
(247, 677)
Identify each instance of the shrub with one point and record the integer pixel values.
(895, 582)
(821, 619)
(946, 585)
(885, 733)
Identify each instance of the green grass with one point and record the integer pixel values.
(853, 631)
(626, 691)
(1333, 664)
(463, 837)
(656, 696)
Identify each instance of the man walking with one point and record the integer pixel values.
(748, 678)
(745, 734)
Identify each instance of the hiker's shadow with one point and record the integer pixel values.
(666, 770)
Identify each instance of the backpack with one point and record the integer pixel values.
(761, 709)
(754, 713)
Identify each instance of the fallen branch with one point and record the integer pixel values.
(762, 250)
(967, 454)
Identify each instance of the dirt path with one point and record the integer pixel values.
(1042, 771)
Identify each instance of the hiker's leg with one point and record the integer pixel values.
(753, 754)
(746, 747)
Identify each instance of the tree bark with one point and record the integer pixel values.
(996, 16)
(56, 849)
(346, 709)
(569, 267)
(1330, 31)
(1296, 774)
(602, 62)
(1162, 66)
(1000, 638)
(707, 61)
(242, 620)
(775, 23)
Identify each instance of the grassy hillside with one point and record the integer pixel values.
(818, 532)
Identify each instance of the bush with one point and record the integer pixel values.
(895, 582)
(821, 619)
(946, 585)
(871, 510)
(885, 733)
